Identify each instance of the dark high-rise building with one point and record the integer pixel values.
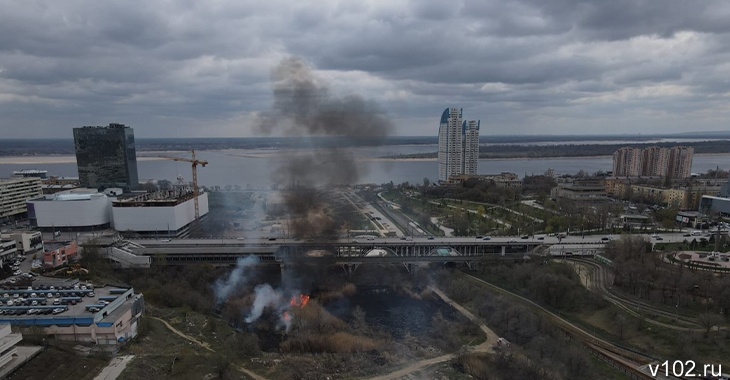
(106, 156)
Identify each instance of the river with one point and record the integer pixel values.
(254, 167)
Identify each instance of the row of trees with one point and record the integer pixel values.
(549, 353)
(641, 272)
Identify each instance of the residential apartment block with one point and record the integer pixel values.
(13, 194)
(675, 163)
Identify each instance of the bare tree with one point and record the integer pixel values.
(708, 321)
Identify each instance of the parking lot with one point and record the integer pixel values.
(43, 299)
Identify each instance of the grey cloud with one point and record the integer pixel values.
(152, 62)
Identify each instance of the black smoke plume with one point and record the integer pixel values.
(328, 126)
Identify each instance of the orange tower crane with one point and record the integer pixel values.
(195, 164)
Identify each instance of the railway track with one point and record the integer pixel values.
(601, 283)
(627, 360)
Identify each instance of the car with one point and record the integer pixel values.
(687, 235)
(102, 302)
(17, 273)
(165, 240)
(58, 310)
(240, 238)
(90, 294)
(430, 238)
(477, 237)
(524, 237)
(541, 238)
(487, 238)
(512, 240)
(658, 238)
(605, 238)
(93, 309)
(355, 241)
(272, 239)
(56, 301)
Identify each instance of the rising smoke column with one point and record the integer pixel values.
(304, 107)
(238, 277)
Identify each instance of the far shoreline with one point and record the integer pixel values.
(68, 159)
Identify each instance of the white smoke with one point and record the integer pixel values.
(265, 296)
(238, 277)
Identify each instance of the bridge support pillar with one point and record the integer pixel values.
(411, 267)
(504, 250)
(350, 268)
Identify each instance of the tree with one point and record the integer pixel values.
(621, 321)
(709, 320)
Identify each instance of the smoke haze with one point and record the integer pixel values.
(304, 106)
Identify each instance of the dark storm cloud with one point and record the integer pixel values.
(202, 68)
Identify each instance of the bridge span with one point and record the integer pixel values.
(216, 251)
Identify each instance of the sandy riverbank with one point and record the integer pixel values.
(60, 159)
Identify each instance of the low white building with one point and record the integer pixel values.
(159, 214)
(8, 251)
(8, 343)
(27, 241)
(77, 209)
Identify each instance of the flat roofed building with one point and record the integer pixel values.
(77, 209)
(27, 242)
(106, 156)
(715, 205)
(8, 344)
(13, 194)
(8, 251)
(105, 316)
(581, 190)
(159, 214)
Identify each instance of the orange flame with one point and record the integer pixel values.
(299, 301)
(286, 316)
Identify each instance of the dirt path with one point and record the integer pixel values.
(485, 347)
(207, 347)
(184, 336)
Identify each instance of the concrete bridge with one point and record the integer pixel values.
(347, 253)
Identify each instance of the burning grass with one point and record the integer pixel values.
(314, 330)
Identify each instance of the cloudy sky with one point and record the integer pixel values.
(204, 68)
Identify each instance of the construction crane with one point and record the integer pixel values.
(195, 164)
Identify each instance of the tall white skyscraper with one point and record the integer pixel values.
(450, 143)
(458, 145)
(470, 147)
